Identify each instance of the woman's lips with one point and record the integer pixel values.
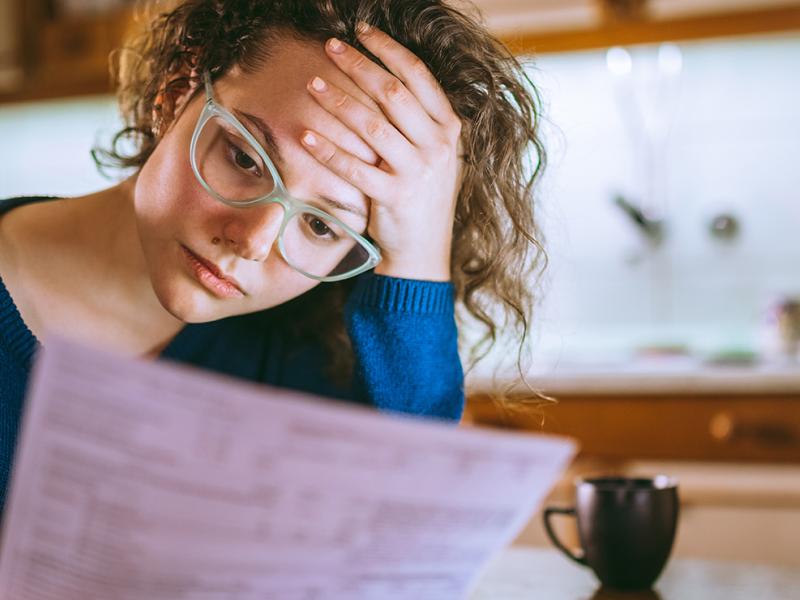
(210, 276)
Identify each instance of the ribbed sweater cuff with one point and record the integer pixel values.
(403, 295)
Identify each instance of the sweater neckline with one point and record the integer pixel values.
(16, 335)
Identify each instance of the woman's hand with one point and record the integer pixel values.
(414, 187)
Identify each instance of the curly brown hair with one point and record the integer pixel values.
(497, 258)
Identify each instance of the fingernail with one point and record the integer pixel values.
(309, 139)
(318, 84)
(363, 27)
(336, 46)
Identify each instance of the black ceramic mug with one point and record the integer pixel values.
(626, 528)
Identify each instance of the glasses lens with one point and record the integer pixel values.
(321, 247)
(230, 165)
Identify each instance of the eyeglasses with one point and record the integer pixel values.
(235, 169)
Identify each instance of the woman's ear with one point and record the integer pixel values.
(172, 99)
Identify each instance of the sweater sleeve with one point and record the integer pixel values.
(405, 343)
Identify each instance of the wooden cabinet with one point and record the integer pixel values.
(541, 26)
(46, 53)
(668, 9)
(60, 54)
(701, 427)
(540, 16)
(10, 59)
(75, 53)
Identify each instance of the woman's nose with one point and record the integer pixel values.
(253, 231)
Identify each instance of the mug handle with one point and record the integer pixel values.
(555, 510)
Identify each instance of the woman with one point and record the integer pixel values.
(310, 197)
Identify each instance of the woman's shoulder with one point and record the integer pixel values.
(25, 217)
(10, 221)
(6, 204)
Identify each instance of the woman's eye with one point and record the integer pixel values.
(320, 228)
(243, 160)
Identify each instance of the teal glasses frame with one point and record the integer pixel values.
(280, 195)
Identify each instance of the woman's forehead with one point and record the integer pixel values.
(283, 77)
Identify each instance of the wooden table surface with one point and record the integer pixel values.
(540, 573)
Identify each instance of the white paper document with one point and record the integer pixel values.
(152, 480)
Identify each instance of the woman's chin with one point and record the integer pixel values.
(190, 304)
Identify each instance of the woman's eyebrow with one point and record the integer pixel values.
(269, 140)
(342, 206)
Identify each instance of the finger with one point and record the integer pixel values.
(334, 129)
(411, 70)
(371, 126)
(404, 110)
(370, 180)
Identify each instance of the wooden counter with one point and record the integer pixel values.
(525, 573)
(662, 411)
(704, 427)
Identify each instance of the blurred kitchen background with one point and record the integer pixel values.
(670, 318)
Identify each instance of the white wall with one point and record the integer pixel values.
(44, 146)
(733, 145)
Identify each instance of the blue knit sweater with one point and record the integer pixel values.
(402, 331)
